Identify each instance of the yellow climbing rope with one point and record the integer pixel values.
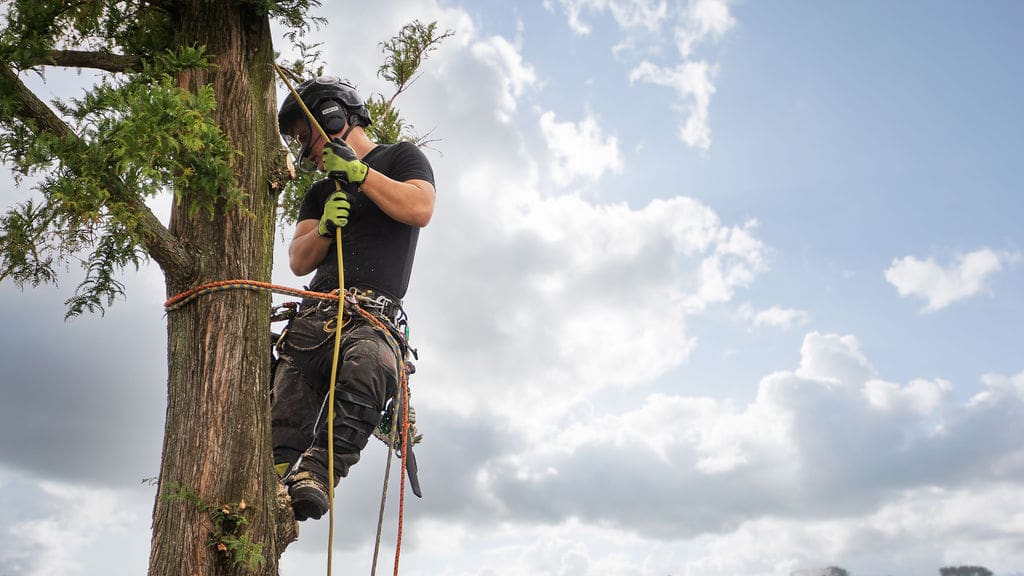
(330, 404)
(337, 338)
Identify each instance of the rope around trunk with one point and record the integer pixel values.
(180, 300)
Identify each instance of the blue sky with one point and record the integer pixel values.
(713, 287)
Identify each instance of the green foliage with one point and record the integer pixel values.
(291, 197)
(228, 537)
(114, 251)
(404, 53)
(156, 135)
(36, 26)
(131, 136)
(294, 14)
(403, 56)
(143, 134)
(308, 65)
(26, 256)
(388, 126)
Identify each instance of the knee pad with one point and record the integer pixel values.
(357, 415)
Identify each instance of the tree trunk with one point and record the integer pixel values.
(217, 436)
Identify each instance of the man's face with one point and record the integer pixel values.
(304, 149)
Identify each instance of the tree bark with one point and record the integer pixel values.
(217, 438)
(87, 59)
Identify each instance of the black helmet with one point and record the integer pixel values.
(332, 101)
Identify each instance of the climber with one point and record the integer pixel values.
(380, 195)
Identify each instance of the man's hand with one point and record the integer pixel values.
(335, 214)
(341, 163)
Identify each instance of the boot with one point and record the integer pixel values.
(309, 496)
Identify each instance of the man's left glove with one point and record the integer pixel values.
(341, 163)
(335, 214)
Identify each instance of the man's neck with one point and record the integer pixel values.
(359, 141)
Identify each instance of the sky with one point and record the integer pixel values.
(712, 288)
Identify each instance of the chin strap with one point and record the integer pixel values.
(344, 137)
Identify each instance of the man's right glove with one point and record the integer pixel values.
(335, 213)
(341, 162)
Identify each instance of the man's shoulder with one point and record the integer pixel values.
(402, 161)
(397, 149)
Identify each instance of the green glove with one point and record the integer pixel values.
(335, 214)
(341, 163)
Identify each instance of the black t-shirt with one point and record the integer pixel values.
(378, 250)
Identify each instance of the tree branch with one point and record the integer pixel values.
(81, 59)
(154, 237)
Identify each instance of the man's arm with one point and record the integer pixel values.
(308, 248)
(410, 202)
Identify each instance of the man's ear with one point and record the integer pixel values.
(332, 117)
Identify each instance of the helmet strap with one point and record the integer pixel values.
(344, 137)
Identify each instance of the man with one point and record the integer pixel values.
(380, 195)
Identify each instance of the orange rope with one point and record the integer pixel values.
(405, 445)
(187, 296)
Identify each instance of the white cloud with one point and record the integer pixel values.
(594, 295)
(59, 543)
(646, 15)
(579, 150)
(516, 76)
(920, 527)
(775, 316)
(629, 14)
(943, 285)
(701, 20)
(834, 359)
(826, 466)
(826, 439)
(692, 82)
(572, 296)
(921, 396)
(999, 388)
(691, 79)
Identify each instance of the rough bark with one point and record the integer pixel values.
(217, 439)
